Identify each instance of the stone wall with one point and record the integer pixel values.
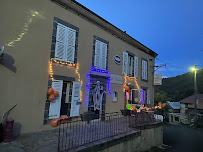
(141, 140)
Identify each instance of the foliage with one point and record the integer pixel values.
(179, 87)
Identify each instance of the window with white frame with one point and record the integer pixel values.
(100, 57)
(130, 65)
(65, 43)
(144, 70)
(140, 96)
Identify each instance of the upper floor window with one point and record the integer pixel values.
(130, 64)
(100, 53)
(144, 70)
(65, 43)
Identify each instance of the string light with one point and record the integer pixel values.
(68, 65)
(51, 70)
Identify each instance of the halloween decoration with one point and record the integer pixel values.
(51, 98)
(64, 119)
(126, 88)
(163, 105)
(50, 91)
(56, 93)
(128, 106)
(97, 96)
(55, 122)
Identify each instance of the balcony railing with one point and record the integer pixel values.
(89, 128)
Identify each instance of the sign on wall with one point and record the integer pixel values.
(117, 59)
(116, 79)
(157, 79)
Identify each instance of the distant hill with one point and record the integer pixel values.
(179, 87)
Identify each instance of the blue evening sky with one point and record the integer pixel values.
(172, 28)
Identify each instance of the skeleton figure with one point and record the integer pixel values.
(97, 96)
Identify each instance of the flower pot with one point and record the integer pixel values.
(126, 112)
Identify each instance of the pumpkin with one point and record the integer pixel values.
(159, 104)
(50, 91)
(126, 88)
(147, 109)
(55, 122)
(64, 119)
(51, 98)
(56, 93)
(163, 105)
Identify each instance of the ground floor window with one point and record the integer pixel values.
(140, 97)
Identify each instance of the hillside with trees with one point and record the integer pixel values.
(179, 87)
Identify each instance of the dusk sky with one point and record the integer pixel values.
(172, 28)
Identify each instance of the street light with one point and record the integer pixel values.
(195, 89)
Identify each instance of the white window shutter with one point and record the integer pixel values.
(70, 49)
(125, 63)
(148, 96)
(135, 66)
(103, 56)
(142, 69)
(60, 42)
(55, 106)
(146, 70)
(97, 54)
(75, 106)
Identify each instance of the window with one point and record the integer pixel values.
(100, 53)
(114, 96)
(144, 69)
(68, 101)
(65, 43)
(130, 65)
(140, 96)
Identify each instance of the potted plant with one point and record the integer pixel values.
(126, 112)
(87, 116)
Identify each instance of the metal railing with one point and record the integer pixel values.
(88, 128)
(78, 131)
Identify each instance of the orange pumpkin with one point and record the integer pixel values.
(56, 93)
(64, 119)
(163, 105)
(133, 107)
(50, 91)
(55, 122)
(126, 88)
(159, 104)
(51, 98)
(147, 109)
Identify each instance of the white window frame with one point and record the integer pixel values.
(67, 46)
(131, 96)
(131, 65)
(102, 55)
(144, 69)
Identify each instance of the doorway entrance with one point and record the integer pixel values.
(103, 87)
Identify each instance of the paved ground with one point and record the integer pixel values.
(36, 142)
(183, 139)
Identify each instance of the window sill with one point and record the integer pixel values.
(144, 80)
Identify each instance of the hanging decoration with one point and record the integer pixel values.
(51, 98)
(52, 94)
(88, 83)
(125, 81)
(56, 93)
(97, 96)
(50, 91)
